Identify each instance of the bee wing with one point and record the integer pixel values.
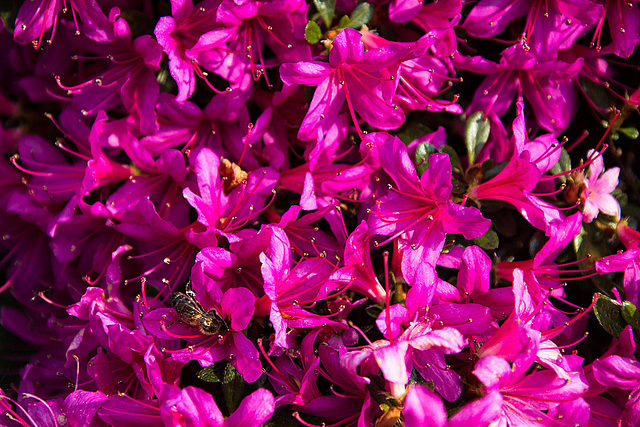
(188, 310)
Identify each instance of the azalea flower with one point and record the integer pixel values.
(421, 207)
(352, 75)
(593, 188)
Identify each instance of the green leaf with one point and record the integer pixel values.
(629, 132)
(476, 134)
(373, 311)
(411, 131)
(361, 15)
(232, 387)
(563, 165)
(327, 9)
(488, 241)
(609, 315)
(422, 156)
(453, 157)
(312, 32)
(344, 22)
(596, 93)
(494, 171)
(207, 374)
(459, 187)
(631, 315)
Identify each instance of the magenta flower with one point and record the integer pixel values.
(541, 273)
(514, 185)
(234, 310)
(192, 406)
(36, 17)
(291, 291)
(180, 32)
(424, 407)
(629, 262)
(623, 18)
(128, 79)
(352, 75)
(546, 84)
(357, 259)
(534, 399)
(421, 207)
(221, 210)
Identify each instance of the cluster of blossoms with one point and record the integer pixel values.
(240, 212)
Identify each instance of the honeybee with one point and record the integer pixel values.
(192, 313)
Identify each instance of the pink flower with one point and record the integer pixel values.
(596, 196)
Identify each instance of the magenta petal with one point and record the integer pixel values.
(617, 262)
(422, 407)
(347, 47)
(616, 371)
(480, 412)
(246, 358)
(254, 410)
(423, 289)
(304, 73)
(81, 406)
(473, 278)
(397, 315)
(491, 370)
(194, 404)
(447, 340)
(238, 303)
(391, 359)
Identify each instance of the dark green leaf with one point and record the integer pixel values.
(489, 241)
(459, 187)
(207, 374)
(596, 93)
(453, 157)
(361, 15)
(373, 311)
(494, 171)
(411, 131)
(563, 165)
(631, 315)
(327, 9)
(232, 387)
(312, 32)
(609, 316)
(476, 134)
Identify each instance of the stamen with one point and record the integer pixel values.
(385, 257)
(44, 402)
(274, 367)
(552, 333)
(12, 413)
(55, 304)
